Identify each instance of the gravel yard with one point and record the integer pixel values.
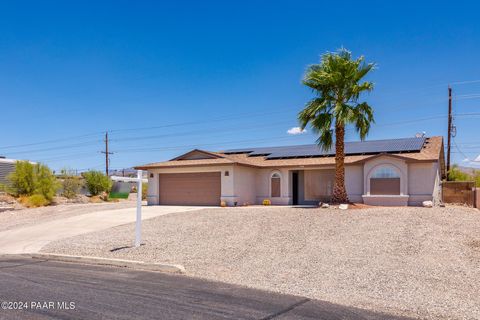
(416, 262)
(23, 217)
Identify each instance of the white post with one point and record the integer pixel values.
(138, 224)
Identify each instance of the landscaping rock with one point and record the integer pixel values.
(427, 204)
(325, 205)
(343, 206)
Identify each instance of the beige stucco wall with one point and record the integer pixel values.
(262, 186)
(401, 167)
(423, 182)
(419, 182)
(354, 182)
(244, 185)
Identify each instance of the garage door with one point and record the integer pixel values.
(201, 188)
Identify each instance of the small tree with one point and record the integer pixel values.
(97, 182)
(46, 182)
(32, 179)
(22, 180)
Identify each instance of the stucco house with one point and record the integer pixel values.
(395, 172)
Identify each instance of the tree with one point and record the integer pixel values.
(97, 182)
(32, 179)
(337, 83)
(23, 180)
(46, 182)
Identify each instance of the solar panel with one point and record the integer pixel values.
(351, 148)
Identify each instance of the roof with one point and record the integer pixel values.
(410, 149)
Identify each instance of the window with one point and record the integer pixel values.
(275, 185)
(385, 181)
(385, 172)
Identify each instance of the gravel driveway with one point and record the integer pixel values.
(407, 261)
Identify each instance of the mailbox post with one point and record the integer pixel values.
(138, 223)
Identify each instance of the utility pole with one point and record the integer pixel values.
(449, 128)
(107, 153)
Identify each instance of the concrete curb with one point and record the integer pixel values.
(159, 267)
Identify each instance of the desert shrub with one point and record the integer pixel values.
(22, 179)
(32, 179)
(46, 183)
(144, 191)
(34, 201)
(455, 174)
(71, 184)
(97, 183)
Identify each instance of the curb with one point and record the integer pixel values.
(132, 264)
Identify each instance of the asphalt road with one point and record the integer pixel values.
(45, 289)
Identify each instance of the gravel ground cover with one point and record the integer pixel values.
(23, 217)
(417, 262)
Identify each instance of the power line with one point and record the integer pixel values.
(48, 141)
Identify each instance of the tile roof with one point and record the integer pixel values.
(430, 150)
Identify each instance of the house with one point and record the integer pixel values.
(6, 167)
(395, 172)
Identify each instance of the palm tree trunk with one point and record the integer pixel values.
(339, 191)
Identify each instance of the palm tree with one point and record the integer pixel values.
(337, 84)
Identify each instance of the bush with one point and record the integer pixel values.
(32, 179)
(144, 191)
(97, 182)
(35, 201)
(22, 179)
(71, 184)
(46, 183)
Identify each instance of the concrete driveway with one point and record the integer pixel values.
(32, 238)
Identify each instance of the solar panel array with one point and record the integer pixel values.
(351, 148)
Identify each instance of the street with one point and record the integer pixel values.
(55, 290)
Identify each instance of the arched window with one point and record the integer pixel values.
(385, 180)
(275, 185)
(385, 172)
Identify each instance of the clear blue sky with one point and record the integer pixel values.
(229, 71)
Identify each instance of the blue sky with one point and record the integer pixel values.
(165, 77)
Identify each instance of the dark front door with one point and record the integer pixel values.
(294, 188)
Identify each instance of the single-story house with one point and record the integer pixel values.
(395, 172)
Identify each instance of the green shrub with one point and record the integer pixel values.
(22, 179)
(46, 182)
(35, 201)
(32, 179)
(97, 182)
(455, 174)
(144, 191)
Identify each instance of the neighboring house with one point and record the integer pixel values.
(6, 167)
(394, 172)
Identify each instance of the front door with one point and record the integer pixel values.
(295, 188)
